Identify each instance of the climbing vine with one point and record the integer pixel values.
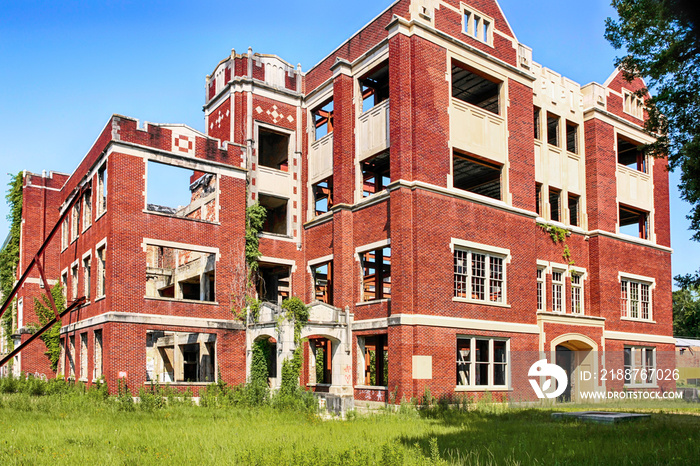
(255, 218)
(44, 311)
(558, 236)
(9, 256)
(257, 387)
(298, 313)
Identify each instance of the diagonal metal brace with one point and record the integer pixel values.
(47, 288)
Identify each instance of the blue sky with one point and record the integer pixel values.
(65, 67)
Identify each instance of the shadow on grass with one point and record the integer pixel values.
(531, 436)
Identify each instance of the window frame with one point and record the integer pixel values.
(483, 32)
(490, 252)
(87, 274)
(626, 297)
(541, 290)
(472, 363)
(632, 366)
(632, 105)
(577, 288)
(101, 286)
(559, 284)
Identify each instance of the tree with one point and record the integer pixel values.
(686, 313)
(662, 43)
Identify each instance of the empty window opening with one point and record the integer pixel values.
(87, 209)
(74, 281)
(274, 283)
(71, 356)
(97, 356)
(102, 190)
(572, 137)
(376, 274)
(323, 119)
(632, 104)
(375, 87)
(538, 198)
(180, 274)
(323, 196)
(375, 352)
(555, 204)
(101, 271)
(634, 222)
(536, 121)
(574, 213)
(75, 226)
(476, 89)
(83, 356)
(553, 130)
(181, 192)
(376, 174)
(65, 232)
(630, 154)
(477, 176)
(276, 218)
(180, 357)
(273, 149)
(87, 265)
(323, 282)
(322, 351)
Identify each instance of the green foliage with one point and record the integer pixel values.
(255, 218)
(291, 368)
(558, 235)
(298, 313)
(52, 337)
(254, 306)
(9, 256)
(258, 389)
(320, 364)
(686, 312)
(124, 398)
(661, 40)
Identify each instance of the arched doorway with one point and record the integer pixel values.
(576, 354)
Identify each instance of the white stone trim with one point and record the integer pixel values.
(87, 254)
(276, 260)
(370, 324)
(641, 337)
(320, 260)
(455, 322)
(102, 242)
(172, 244)
(371, 247)
(152, 319)
(639, 278)
(464, 244)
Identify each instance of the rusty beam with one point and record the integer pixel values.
(47, 288)
(76, 304)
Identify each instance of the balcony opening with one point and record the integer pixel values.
(375, 353)
(375, 87)
(273, 285)
(477, 176)
(323, 196)
(276, 219)
(553, 130)
(376, 274)
(630, 154)
(323, 282)
(634, 222)
(574, 212)
(323, 119)
(572, 137)
(321, 351)
(376, 174)
(180, 274)
(538, 198)
(273, 149)
(555, 204)
(476, 88)
(180, 357)
(181, 192)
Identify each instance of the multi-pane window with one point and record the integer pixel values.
(97, 366)
(75, 226)
(478, 276)
(640, 365)
(101, 205)
(87, 209)
(632, 104)
(376, 274)
(482, 362)
(65, 233)
(576, 293)
(478, 26)
(100, 272)
(635, 302)
(74, 281)
(541, 300)
(87, 263)
(557, 291)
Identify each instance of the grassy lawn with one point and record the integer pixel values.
(74, 429)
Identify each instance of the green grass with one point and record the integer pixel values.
(72, 428)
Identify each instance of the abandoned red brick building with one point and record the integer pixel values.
(409, 178)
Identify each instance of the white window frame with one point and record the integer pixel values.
(577, 288)
(101, 288)
(626, 296)
(97, 368)
(471, 386)
(74, 279)
(560, 285)
(102, 193)
(87, 210)
(632, 105)
(541, 295)
(65, 233)
(75, 220)
(64, 283)
(83, 356)
(470, 248)
(651, 381)
(483, 31)
(87, 284)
